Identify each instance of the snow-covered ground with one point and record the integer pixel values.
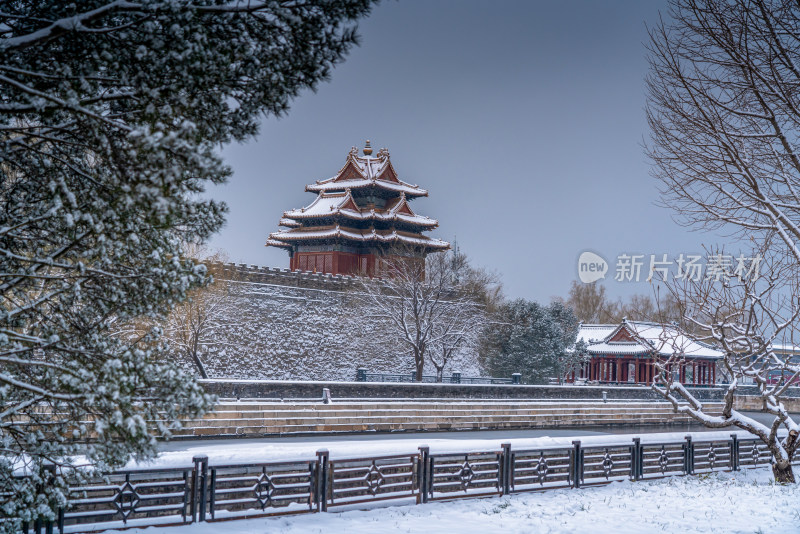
(744, 502)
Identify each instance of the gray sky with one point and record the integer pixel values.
(524, 120)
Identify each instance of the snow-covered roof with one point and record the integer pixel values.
(595, 332)
(291, 223)
(641, 337)
(354, 234)
(342, 204)
(367, 171)
(401, 187)
(329, 216)
(275, 243)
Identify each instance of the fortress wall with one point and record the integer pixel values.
(279, 324)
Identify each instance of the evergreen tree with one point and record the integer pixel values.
(110, 115)
(534, 340)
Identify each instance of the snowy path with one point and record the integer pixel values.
(746, 502)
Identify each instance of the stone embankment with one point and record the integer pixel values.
(253, 418)
(251, 408)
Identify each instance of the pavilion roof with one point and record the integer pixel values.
(354, 234)
(641, 337)
(367, 171)
(342, 204)
(275, 243)
(291, 223)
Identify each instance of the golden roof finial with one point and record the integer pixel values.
(367, 149)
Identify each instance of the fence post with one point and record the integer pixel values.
(688, 456)
(361, 374)
(577, 464)
(424, 472)
(413, 376)
(516, 378)
(323, 470)
(507, 468)
(734, 452)
(456, 379)
(212, 493)
(199, 481)
(636, 459)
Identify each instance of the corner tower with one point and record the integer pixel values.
(361, 217)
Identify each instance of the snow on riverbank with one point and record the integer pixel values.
(744, 502)
(275, 450)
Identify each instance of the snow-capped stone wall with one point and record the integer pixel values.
(279, 324)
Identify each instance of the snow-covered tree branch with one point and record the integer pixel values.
(723, 110)
(431, 306)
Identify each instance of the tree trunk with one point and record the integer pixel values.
(420, 364)
(782, 471)
(199, 363)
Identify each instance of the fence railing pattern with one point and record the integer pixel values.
(220, 492)
(363, 376)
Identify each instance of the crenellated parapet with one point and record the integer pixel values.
(284, 277)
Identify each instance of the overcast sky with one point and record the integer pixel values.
(524, 120)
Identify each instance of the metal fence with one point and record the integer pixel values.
(220, 492)
(363, 376)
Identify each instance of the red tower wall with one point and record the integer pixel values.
(335, 262)
(345, 263)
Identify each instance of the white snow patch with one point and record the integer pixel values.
(743, 502)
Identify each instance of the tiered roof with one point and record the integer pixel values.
(346, 209)
(367, 172)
